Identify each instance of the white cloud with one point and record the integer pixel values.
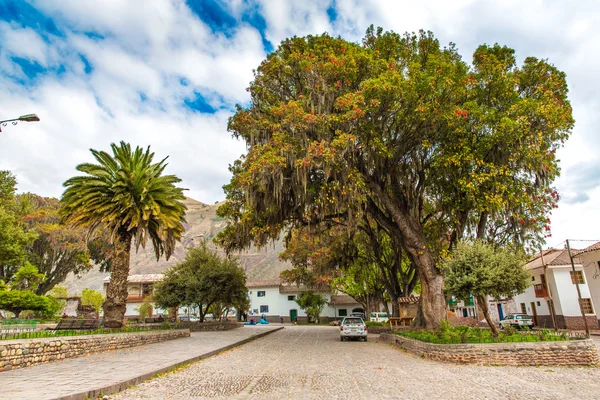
(134, 91)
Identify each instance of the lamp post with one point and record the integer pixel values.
(22, 118)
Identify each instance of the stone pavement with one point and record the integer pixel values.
(310, 362)
(79, 378)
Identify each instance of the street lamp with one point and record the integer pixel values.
(22, 118)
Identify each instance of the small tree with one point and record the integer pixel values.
(56, 298)
(16, 301)
(144, 310)
(312, 304)
(481, 270)
(93, 298)
(27, 278)
(203, 279)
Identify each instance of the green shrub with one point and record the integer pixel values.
(464, 334)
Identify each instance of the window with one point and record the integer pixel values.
(539, 304)
(343, 312)
(577, 277)
(264, 309)
(586, 304)
(523, 308)
(260, 293)
(292, 297)
(533, 278)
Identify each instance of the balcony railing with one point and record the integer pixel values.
(540, 290)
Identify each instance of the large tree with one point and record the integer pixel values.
(127, 194)
(59, 249)
(403, 129)
(14, 235)
(480, 269)
(204, 280)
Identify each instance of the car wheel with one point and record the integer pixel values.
(365, 338)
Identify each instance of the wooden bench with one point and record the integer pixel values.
(76, 324)
(399, 321)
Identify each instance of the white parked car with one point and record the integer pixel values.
(517, 320)
(353, 327)
(378, 317)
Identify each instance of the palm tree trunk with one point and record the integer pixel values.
(115, 304)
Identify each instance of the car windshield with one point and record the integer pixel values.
(352, 321)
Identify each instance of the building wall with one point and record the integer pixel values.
(567, 292)
(592, 277)
(564, 295)
(508, 307)
(279, 305)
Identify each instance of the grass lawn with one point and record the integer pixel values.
(50, 334)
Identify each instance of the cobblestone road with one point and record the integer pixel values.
(311, 363)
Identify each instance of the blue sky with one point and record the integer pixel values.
(168, 73)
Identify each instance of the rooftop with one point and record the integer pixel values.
(552, 257)
(142, 278)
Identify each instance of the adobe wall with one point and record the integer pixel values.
(568, 353)
(27, 352)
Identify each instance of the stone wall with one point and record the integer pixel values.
(210, 326)
(569, 353)
(27, 352)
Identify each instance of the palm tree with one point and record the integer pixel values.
(127, 195)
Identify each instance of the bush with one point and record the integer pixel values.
(465, 334)
(372, 323)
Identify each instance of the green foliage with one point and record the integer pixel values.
(14, 236)
(60, 249)
(56, 302)
(312, 304)
(127, 192)
(27, 278)
(203, 279)
(373, 323)
(465, 334)
(144, 310)
(93, 298)
(402, 129)
(479, 269)
(16, 301)
(45, 334)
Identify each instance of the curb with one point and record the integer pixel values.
(117, 387)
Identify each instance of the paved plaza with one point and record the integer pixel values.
(302, 362)
(79, 378)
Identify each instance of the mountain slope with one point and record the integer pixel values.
(202, 224)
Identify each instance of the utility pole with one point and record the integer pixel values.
(587, 329)
(550, 302)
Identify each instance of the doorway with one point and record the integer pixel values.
(534, 311)
(500, 312)
(293, 315)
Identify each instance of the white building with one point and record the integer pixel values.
(554, 283)
(590, 259)
(274, 300)
(139, 288)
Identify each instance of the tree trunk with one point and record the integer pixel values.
(115, 304)
(433, 304)
(486, 314)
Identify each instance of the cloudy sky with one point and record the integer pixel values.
(167, 73)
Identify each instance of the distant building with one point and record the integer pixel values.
(139, 287)
(274, 299)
